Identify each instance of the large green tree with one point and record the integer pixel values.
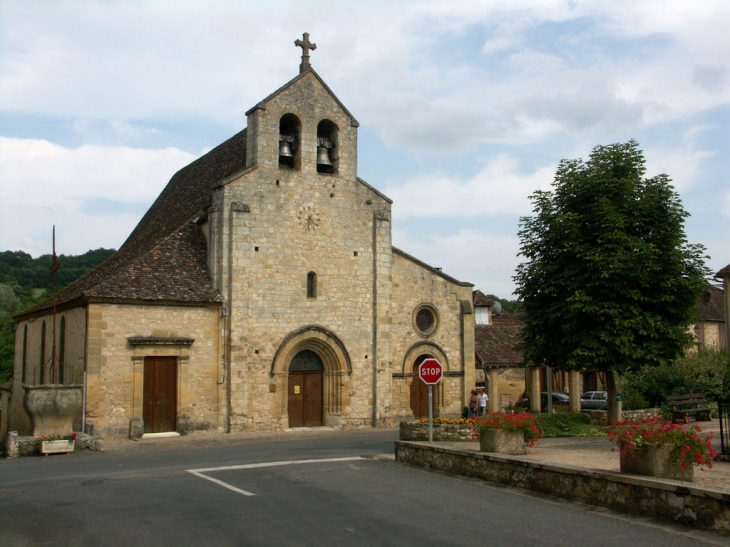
(610, 280)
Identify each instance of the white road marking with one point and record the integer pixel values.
(200, 472)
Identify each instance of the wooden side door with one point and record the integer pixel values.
(306, 399)
(160, 394)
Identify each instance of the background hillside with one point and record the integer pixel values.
(24, 281)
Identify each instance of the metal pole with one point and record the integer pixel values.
(549, 385)
(430, 413)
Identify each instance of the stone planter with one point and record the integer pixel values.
(52, 408)
(61, 446)
(502, 442)
(656, 461)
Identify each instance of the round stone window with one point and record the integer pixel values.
(425, 320)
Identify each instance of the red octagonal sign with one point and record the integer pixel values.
(430, 371)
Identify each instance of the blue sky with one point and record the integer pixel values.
(465, 108)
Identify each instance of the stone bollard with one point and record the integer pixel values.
(11, 445)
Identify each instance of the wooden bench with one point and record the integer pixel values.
(684, 405)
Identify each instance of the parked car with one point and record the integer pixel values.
(559, 400)
(594, 400)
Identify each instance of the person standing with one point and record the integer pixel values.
(483, 400)
(473, 404)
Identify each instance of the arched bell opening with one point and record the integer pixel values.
(289, 135)
(327, 155)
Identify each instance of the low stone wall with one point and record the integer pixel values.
(416, 431)
(691, 505)
(16, 445)
(600, 417)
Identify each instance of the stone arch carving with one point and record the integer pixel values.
(331, 351)
(421, 348)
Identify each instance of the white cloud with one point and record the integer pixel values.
(42, 184)
(499, 188)
(473, 256)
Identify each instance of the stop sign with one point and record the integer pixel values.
(430, 371)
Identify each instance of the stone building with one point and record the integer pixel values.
(261, 291)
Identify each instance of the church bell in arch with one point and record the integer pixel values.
(323, 152)
(285, 148)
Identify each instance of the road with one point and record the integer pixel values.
(293, 489)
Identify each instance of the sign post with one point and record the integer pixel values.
(430, 372)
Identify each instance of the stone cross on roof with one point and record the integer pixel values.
(306, 45)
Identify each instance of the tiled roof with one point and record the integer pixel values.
(495, 344)
(481, 299)
(725, 272)
(711, 304)
(164, 260)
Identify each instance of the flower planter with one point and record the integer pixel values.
(60, 446)
(502, 442)
(656, 461)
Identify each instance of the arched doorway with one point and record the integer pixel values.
(305, 399)
(419, 391)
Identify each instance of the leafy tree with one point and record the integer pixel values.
(610, 281)
(24, 282)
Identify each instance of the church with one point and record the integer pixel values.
(260, 291)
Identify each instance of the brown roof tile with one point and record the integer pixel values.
(711, 304)
(164, 260)
(495, 344)
(481, 299)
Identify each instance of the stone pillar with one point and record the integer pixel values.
(574, 391)
(493, 390)
(535, 389)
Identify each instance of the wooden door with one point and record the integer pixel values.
(305, 399)
(419, 392)
(160, 394)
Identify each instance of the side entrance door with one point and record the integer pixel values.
(160, 394)
(306, 403)
(419, 391)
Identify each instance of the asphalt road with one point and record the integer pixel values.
(328, 488)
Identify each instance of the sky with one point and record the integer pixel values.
(465, 108)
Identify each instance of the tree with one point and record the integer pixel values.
(610, 281)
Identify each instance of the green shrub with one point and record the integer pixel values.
(567, 424)
(706, 372)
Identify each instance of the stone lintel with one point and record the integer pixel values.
(160, 341)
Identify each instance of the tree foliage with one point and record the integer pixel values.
(24, 282)
(610, 281)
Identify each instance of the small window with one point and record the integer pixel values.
(61, 350)
(42, 373)
(311, 285)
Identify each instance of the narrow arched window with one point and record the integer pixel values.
(61, 350)
(311, 285)
(25, 352)
(42, 373)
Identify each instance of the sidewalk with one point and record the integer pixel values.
(598, 453)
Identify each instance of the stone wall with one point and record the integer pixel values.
(696, 506)
(416, 431)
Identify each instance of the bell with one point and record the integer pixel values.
(323, 156)
(284, 150)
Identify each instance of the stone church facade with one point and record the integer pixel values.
(261, 291)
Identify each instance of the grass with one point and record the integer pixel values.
(568, 424)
